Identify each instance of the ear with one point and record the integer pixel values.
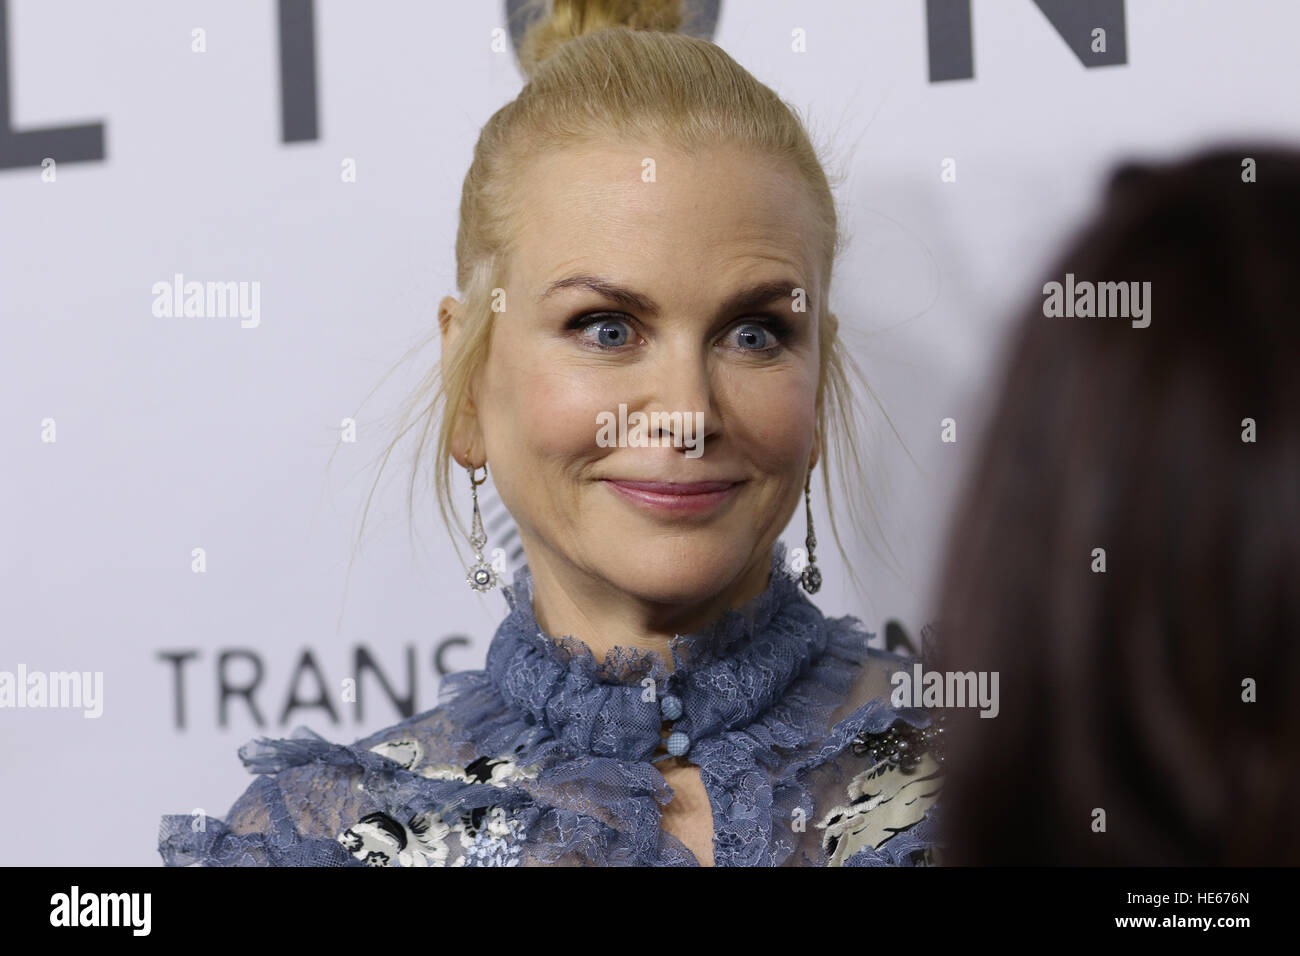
(450, 313)
(466, 437)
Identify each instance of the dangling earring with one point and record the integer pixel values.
(481, 577)
(811, 577)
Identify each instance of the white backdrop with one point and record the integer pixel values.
(176, 433)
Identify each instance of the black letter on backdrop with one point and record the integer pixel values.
(178, 658)
(947, 25)
(297, 70)
(63, 144)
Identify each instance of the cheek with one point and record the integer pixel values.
(534, 413)
(773, 415)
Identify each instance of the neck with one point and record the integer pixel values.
(568, 601)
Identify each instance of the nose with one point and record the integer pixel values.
(682, 385)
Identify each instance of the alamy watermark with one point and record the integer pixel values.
(207, 300)
(57, 689)
(922, 688)
(644, 430)
(1124, 300)
(75, 908)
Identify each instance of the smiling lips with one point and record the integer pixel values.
(687, 497)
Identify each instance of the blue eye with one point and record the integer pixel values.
(608, 333)
(754, 338)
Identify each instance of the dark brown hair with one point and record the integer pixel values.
(1123, 690)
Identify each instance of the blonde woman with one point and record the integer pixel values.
(644, 354)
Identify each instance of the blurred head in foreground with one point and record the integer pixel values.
(1126, 553)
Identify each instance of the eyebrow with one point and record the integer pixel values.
(752, 297)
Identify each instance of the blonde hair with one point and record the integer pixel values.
(618, 68)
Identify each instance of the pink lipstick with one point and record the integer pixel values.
(671, 497)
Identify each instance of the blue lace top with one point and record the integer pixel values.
(545, 757)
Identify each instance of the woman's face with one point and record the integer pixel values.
(599, 507)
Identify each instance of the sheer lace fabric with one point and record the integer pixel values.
(546, 757)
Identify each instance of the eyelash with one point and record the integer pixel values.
(780, 329)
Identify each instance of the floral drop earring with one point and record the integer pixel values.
(481, 577)
(811, 577)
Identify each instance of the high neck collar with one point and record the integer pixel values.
(726, 675)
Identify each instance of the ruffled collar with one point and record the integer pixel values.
(726, 676)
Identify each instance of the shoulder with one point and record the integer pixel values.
(376, 801)
(304, 787)
(885, 813)
(866, 665)
(875, 781)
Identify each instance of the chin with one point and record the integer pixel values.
(685, 570)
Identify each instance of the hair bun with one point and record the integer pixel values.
(570, 19)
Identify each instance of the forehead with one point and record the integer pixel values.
(712, 215)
